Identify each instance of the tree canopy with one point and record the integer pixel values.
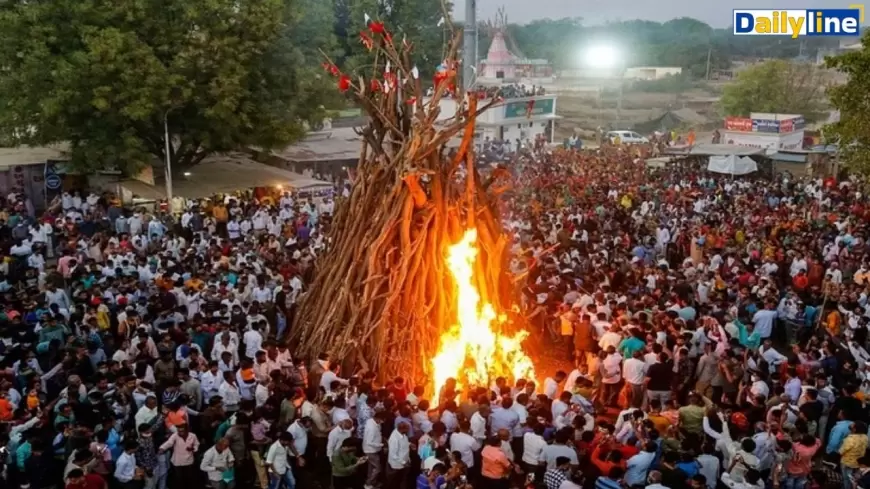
(777, 86)
(416, 21)
(103, 75)
(683, 42)
(852, 99)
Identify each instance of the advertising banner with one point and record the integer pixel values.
(741, 124)
(786, 126)
(765, 125)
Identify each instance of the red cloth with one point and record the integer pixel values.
(400, 395)
(90, 481)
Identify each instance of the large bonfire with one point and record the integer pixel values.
(414, 282)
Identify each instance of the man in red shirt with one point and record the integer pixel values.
(77, 479)
(399, 391)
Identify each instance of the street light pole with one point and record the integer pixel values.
(168, 162)
(619, 98)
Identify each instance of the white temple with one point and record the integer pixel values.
(503, 64)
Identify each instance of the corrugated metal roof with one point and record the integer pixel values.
(28, 155)
(341, 144)
(789, 157)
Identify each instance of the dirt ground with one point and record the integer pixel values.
(583, 111)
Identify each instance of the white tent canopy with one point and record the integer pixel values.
(732, 165)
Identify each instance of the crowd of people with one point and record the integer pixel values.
(695, 331)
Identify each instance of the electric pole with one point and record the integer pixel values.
(709, 54)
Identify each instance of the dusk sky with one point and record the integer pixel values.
(717, 14)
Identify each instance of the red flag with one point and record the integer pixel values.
(343, 83)
(366, 40)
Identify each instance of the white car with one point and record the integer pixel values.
(627, 137)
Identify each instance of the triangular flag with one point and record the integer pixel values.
(415, 72)
(441, 22)
(474, 69)
(387, 68)
(368, 19)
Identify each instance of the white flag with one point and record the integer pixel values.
(416, 73)
(388, 67)
(368, 19)
(441, 22)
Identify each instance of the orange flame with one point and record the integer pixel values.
(471, 350)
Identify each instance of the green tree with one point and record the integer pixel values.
(852, 99)
(103, 75)
(776, 86)
(414, 20)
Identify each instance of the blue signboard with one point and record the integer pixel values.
(765, 125)
(52, 179)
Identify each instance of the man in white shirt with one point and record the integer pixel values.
(797, 264)
(299, 431)
(533, 449)
(330, 376)
(633, 372)
(751, 481)
(277, 462)
(337, 435)
(551, 384)
(464, 443)
(261, 293)
(56, 296)
(253, 341)
(610, 338)
(561, 405)
(398, 456)
(225, 346)
(519, 407)
(216, 461)
(478, 423)
(611, 366)
(234, 230)
(373, 446)
(210, 381)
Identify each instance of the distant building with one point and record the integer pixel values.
(523, 118)
(651, 72)
(844, 47)
(25, 169)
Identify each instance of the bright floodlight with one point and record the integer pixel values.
(603, 56)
